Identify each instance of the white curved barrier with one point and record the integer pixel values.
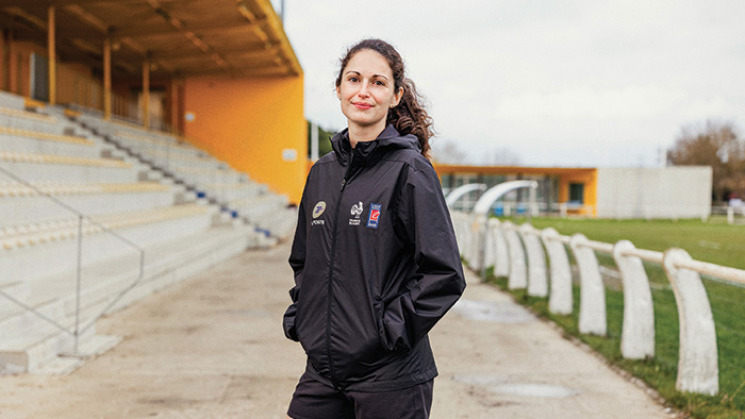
(490, 245)
(637, 338)
(592, 292)
(518, 275)
(537, 281)
(698, 369)
(476, 245)
(461, 191)
(560, 299)
(698, 359)
(502, 255)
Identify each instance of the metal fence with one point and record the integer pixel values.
(85, 225)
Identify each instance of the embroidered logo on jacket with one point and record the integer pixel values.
(318, 209)
(373, 218)
(356, 211)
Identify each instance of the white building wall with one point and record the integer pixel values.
(669, 192)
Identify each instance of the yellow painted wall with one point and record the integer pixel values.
(589, 179)
(249, 123)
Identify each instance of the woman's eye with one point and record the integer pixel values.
(379, 83)
(353, 79)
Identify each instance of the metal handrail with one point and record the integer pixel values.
(78, 330)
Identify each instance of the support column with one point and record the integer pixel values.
(181, 107)
(3, 60)
(51, 41)
(107, 78)
(7, 42)
(173, 105)
(146, 93)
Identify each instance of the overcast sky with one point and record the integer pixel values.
(557, 83)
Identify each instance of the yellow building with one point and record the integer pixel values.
(571, 189)
(220, 74)
(627, 192)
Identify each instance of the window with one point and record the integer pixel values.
(577, 193)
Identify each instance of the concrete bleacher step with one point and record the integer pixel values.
(59, 249)
(257, 206)
(17, 289)
(11, 100)
(20, 204)
(206, 176)
(24, 119)
(36, 167)
(165, 264)
(280, 224)
(39, 142)
(228, 192)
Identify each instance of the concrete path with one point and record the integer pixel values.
(212, 347)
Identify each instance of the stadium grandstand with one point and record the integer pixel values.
(141, 141)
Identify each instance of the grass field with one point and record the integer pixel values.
(714, 242)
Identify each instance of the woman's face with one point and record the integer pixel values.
(367, 91)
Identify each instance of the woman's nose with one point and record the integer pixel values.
(363, 89)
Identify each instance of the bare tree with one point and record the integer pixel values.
(716, 145)
(448, 152)
(501, 157)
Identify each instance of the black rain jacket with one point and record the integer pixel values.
(376, 265)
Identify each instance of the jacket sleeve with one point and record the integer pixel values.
(439, 280)
(297, 262)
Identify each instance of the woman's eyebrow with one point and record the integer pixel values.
(382, 76)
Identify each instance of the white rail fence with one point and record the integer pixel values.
(520, 254)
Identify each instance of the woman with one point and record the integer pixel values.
(375, 258)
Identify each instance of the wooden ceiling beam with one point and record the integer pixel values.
(243, 52)
(161, 30)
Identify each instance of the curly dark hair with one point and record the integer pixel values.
(410, 115)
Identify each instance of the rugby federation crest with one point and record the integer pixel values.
(356, 211)
(374, 218)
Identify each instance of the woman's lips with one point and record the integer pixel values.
(362, 105)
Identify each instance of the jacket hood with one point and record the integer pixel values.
(387, 140)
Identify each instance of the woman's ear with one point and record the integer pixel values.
(338, 92)
(397, 97)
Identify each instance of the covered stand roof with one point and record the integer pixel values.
(180, 38)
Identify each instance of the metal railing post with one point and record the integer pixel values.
(78, 282)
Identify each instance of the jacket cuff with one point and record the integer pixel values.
(288, 323)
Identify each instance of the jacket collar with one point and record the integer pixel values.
(368, 152)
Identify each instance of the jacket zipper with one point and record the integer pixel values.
(331, 271)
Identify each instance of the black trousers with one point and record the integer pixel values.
(314, 400)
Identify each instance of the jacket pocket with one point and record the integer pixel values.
(382, 333)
